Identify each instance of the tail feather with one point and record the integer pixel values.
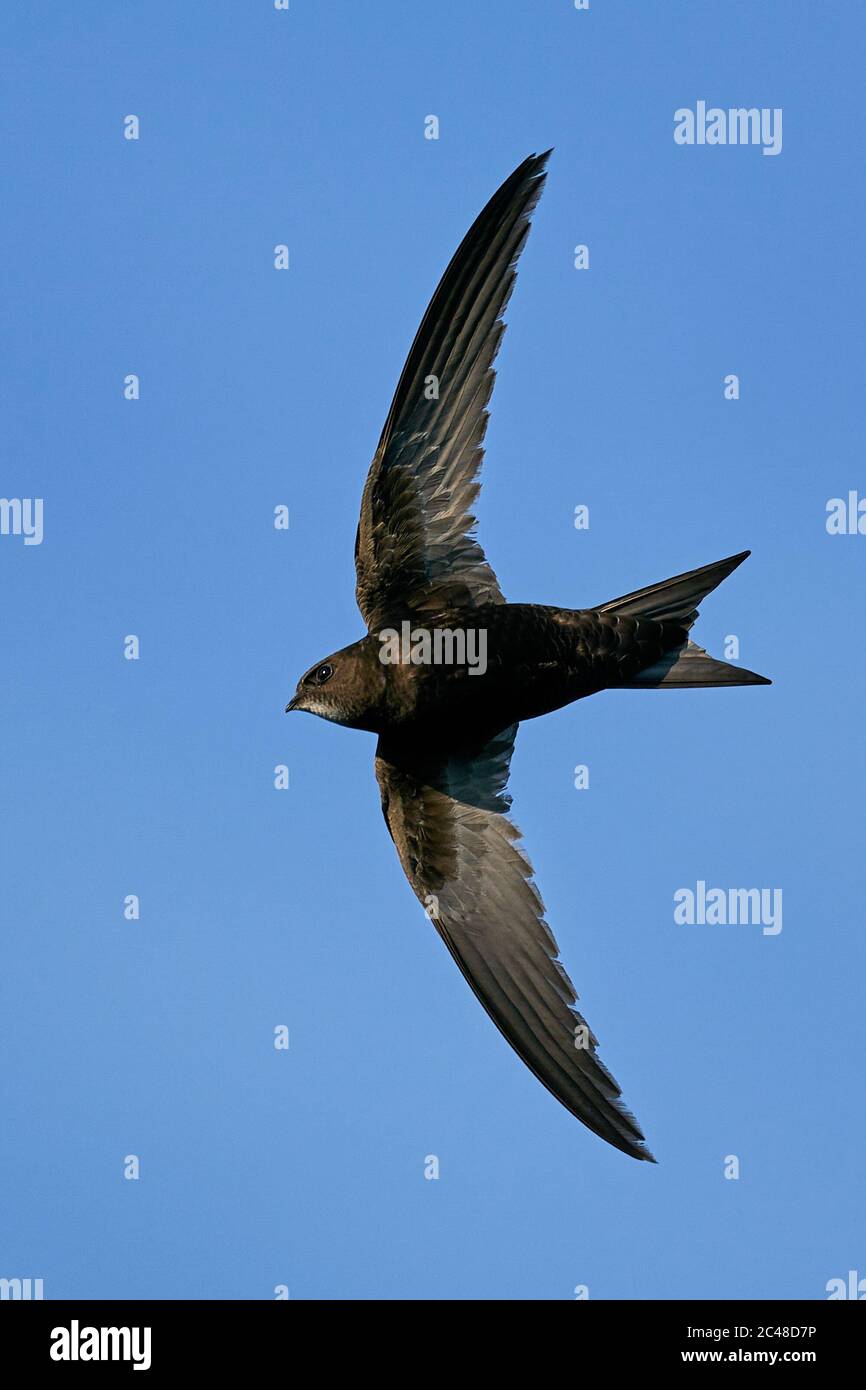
(690, 665)
(676, 600)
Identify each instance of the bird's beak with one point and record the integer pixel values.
(294, 703)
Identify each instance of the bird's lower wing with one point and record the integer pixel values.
(447, 816)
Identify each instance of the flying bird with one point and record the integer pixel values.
(446, 728)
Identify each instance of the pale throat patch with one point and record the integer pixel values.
(323, 710)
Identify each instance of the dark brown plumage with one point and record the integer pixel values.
(446, 731)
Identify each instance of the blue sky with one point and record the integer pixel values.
(155, 777)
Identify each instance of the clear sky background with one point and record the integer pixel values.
(156, 777)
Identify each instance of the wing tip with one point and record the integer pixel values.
(635, 1148)
(534, 167)
(630, 1136)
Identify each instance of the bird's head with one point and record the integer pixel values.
(346, 688)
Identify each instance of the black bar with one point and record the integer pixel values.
(221, 1337)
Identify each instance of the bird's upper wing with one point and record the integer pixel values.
(415, 551)
(447, 817)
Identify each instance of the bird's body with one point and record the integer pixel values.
(537, 659)
(448, 669)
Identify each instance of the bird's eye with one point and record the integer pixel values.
(324, 673)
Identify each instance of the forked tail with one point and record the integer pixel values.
(676, 600)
